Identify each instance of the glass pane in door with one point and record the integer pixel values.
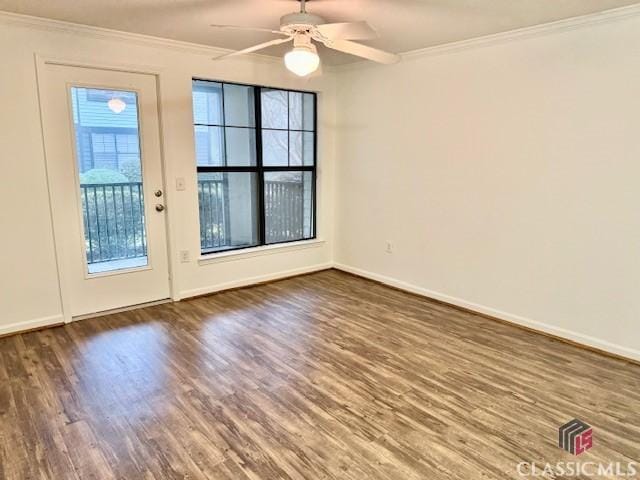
(107, 144)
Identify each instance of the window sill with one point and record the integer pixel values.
(245, 253)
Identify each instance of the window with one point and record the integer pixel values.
(111, 149)
(255, 156)
(110, 173)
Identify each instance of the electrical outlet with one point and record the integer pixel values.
(389, 247)
(184, 256)
(180, 184)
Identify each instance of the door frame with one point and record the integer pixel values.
(41, 62)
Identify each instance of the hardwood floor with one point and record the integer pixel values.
(316, 377)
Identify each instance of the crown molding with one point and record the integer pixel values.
(47, 24)
(550, 28)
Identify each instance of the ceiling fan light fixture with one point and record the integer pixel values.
(303, 27)
(302, 60)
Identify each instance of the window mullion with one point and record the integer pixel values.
(289, 201)
(288, 129)
(261, 207)
(314, 209)
(224, 128)
(209, 169)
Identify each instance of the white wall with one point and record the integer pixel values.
(29, 293)
(506, 176)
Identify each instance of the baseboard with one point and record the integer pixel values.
(563, 334)
(246, 282)
(57, 320)
(570, 336)
(29, 325)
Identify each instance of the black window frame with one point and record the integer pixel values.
(259, 169)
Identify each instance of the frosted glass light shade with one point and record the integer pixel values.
(302, 60)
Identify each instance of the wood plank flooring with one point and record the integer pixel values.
(323, 376)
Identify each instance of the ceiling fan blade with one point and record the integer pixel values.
(363, 51)
(347, 31)
(255, 48)
(254, 29)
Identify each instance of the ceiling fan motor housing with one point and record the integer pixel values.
(299, 22)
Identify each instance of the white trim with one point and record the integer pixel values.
(508, 317)
(246, 282)
(48, 24)
(31, 324)
(119, 271)
(549, 28)
(41, 61)
(87, 62)
(82, 253)
(558, 26)
(57, 248)
(563, 25)
(233, 255)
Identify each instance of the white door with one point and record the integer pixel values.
(104, 166)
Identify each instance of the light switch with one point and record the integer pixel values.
(180, 184)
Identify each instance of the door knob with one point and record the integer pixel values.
(159, 207)
(158, 193)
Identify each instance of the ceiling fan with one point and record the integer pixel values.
(303, 27)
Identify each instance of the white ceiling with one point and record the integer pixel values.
(403, 25)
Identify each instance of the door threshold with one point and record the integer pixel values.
(119, 310)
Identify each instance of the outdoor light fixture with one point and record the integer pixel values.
(116, 105)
